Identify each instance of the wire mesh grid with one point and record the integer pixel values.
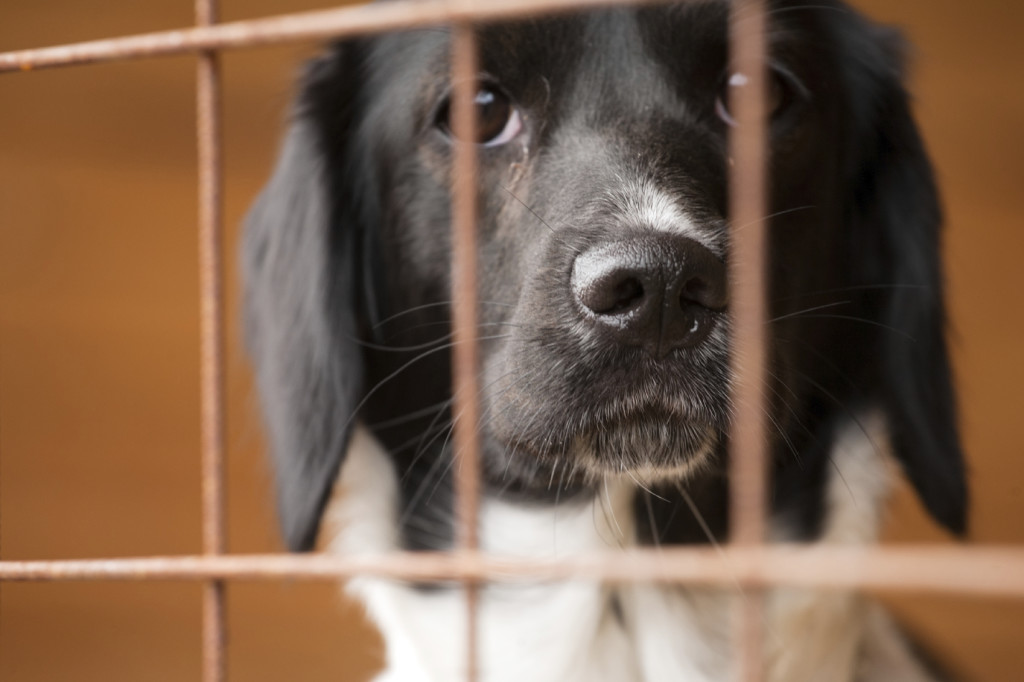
(746, 562)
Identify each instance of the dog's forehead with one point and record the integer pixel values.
(613, 65)
(608, 54)
(636, 60)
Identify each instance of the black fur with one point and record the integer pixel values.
(347, 254)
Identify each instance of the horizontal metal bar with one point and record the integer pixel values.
(980, 571)
(333, 23)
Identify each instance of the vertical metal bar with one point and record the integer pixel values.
(465, 308)
(748, 154)
(211, 356)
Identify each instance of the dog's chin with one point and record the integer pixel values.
(650, 447)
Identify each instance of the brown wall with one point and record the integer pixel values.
(98, 324)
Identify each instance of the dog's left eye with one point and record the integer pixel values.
(784, 90)
(497, 120)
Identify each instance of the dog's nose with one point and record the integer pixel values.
(660, 291)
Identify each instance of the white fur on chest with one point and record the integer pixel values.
(583, 631)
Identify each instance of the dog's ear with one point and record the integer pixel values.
(896, 215)
(301, 269)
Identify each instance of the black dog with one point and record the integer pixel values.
(605, 325)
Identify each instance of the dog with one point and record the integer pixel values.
(605, 341)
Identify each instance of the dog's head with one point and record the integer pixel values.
(604, 238)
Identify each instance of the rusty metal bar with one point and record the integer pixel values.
(748, 152)
(466, 357)
(464, 284)
(318, 25)
(748, 477)
(211, 355)
(990, 571)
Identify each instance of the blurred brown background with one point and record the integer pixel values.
(98, 353)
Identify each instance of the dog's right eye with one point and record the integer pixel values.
(497, 120)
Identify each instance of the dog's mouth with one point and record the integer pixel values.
(652, 442)
(647, 441)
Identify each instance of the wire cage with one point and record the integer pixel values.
(747, 562)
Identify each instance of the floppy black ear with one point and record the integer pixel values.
(300, 269)
(896, 209)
